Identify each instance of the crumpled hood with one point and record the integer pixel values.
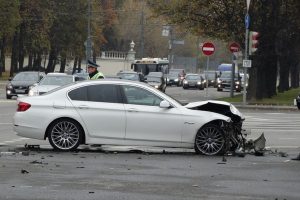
(201, 103)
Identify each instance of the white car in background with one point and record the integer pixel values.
(50, 82)
(121, 112)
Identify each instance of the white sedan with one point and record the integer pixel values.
(119, 112)
(50, 82)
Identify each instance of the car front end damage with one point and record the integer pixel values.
(233, 134)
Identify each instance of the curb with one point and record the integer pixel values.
(266, 107)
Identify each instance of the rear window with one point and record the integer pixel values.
(97, 93)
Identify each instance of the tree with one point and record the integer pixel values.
(9, 20)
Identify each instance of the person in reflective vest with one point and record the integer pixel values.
(93, 72)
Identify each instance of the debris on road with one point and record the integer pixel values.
(297, 158)
(23, 171)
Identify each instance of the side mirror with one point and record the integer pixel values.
(10, 78)
(164, 104)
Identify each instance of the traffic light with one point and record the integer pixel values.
(253, 41)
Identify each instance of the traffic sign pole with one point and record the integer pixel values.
(208, 49)
(207, 64)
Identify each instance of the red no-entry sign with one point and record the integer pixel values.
(234, 47)
(208, 48)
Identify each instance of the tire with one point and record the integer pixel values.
(8, 97)
(60, 136)
(298, 105)
(210, 140)
(219, 90)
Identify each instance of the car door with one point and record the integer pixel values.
(101, 109)
(146, 120)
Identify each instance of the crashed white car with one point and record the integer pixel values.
(120, 112)
(50, 82)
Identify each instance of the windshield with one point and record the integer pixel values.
(227, 75)
(153, 79)
(211, 75)
(173, 74)
(56, 80)
(133, 77)
(192, 77)
(26, 77)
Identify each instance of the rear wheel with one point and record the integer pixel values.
(209, 140)
(65, 135)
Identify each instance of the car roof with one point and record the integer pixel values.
(127, 72)
(57, 74)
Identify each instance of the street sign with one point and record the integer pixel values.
(247, 21)
(208, 48)
(247, 63)
(234, 47)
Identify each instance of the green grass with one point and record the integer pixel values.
(286, 98)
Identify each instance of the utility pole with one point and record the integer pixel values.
(88, 44)
(142, 39)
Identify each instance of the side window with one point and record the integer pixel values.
(103, 93)
(139, 96)
(79, 94)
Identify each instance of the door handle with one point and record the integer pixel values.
(83, 107)
(132, 110)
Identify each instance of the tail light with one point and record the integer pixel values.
(22, 106)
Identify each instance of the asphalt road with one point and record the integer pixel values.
(123, 173)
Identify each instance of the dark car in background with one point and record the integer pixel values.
(193, 81)
(19, 85)
(224, 82)
(176, 77)
(211, 77)
(131, 75)
(157, 82)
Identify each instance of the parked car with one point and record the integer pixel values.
(180, 75)
(224, 81)
(193, 81)
(86, 112)
(157, 82)
(211, 77)
(131, 75)
(297, 101)
(21, 82)
(50, 82)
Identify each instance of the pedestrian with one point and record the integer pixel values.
(93, 72)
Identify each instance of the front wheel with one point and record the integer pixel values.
(209, 140)
(298, 105)
(65, 135)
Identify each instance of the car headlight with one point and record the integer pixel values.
(204, 81)
(219, 81)
(185, 82)
(237, 82)
(212, 81)
(168, 79)
(156, 86)
(198, 82)
(32, 93)
(176, 80)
